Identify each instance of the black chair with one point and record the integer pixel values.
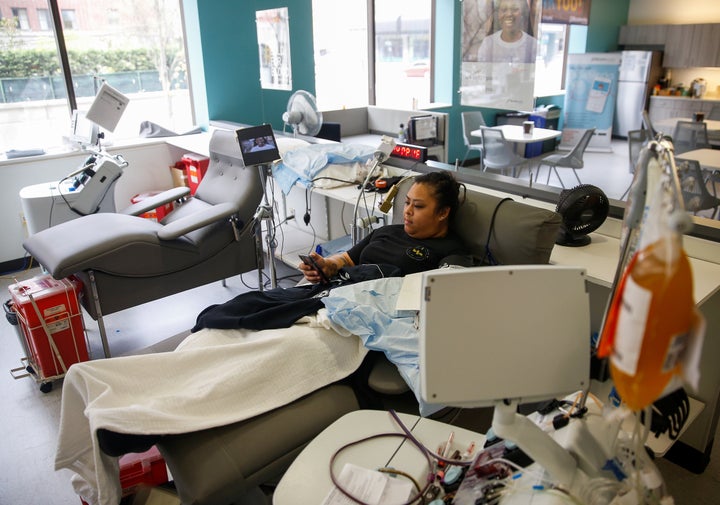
(690, 135)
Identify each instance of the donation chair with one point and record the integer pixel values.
(230, 464)
(124, 260)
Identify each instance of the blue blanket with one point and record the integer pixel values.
(305, 163)
(367, 309)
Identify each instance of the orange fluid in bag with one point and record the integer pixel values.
(653, 324)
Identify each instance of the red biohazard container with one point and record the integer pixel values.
(196, 166)
(48, 311)
(155, 214)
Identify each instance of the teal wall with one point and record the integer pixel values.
(229, 59)
(231, 63)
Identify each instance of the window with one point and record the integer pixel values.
(68, 19)
(136, 46)
(44, 19)
(21, 18)
(550, 63)
(401, 58)
(340, 36)
(402, 53)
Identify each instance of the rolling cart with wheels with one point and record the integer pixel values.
(50, 319)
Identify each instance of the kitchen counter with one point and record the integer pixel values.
(666, 107)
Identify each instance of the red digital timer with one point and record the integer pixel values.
(410, 152)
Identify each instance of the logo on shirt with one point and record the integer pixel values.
(418, 252)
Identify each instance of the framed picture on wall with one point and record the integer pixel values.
(273, 32)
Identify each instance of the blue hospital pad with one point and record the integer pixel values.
(303, 164)
(367, 309)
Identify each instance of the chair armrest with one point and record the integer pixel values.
(156, 201)
(196, 220)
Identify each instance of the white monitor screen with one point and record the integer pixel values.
(82, 130)
(488, 334)
(423, 128)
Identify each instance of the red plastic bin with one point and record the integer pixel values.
(141, 469)
(156, 214)
(52, 325)
(196, 166)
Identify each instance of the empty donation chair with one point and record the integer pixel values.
(694, 188)
(573, 159)
(690, 135)
(472, 120)
(499, 154)
(124, 260)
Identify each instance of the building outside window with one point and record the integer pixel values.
(138, 49)
(402, 53)
(21, 18)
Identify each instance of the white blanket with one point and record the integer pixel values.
(158, 393)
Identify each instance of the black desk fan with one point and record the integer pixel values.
(583, 209)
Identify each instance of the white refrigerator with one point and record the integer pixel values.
(639, 72)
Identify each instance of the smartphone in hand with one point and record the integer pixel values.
(308, 260)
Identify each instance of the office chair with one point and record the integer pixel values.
(499, 154)
(694, 188)
(573, 159)
(636, 141)
(690, 135)
(123, 260)
(472, 120)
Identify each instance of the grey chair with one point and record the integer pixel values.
(123, 260)
(694, 188)
(690, 135)
(499, 153)
(714, 113)
(572, 160)
(472, 120)
(636, 141)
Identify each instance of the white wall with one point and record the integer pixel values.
(147, 171)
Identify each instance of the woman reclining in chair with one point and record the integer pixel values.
(421, 243)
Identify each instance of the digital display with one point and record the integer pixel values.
(257, 145)
(410, 152)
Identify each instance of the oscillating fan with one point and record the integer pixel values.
(583, 209)
(302, 114)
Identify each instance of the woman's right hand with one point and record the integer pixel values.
(309, 271)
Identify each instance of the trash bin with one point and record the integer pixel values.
(12, 318)
(544, 116)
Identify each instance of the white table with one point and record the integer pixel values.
(308, 479)
(516, 134)
(709, 159)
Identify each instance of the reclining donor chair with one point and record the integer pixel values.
(228, 464)
(124, 260)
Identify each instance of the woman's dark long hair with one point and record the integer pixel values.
(445, 190)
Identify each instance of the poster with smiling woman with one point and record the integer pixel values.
(499, 47)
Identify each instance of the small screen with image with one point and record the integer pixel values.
(257, 145)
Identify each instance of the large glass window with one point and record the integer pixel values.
(550, 63)
(402, 53)
(340, 36)
(136, 46)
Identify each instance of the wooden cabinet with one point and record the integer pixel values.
(643, 35)
(685, 46)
